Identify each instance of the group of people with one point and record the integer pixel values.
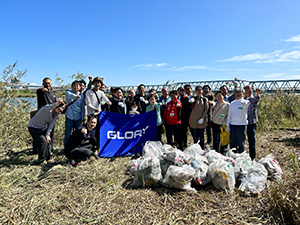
(177, 112)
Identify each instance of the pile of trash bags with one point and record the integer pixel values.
(163, 165)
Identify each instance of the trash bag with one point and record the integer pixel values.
(155, 148)
(201, 177)
(241, 166)
(213, 156)
(194, 150)
(255, 181)
(178, 157)
(225, 139)
(272, 166)
(230, 153)
(179, 177)
(222, 175)
(147, 171)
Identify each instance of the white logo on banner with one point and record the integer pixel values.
(127, 135)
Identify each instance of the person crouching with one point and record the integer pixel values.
(82, 143)
(40, 127)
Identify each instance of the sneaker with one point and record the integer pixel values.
(51, 162)
(95, 154)
(45, 164)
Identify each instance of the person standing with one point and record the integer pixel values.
(40, 127)
(129, 100)
(198, 117)
(206, 93)
(187, 102)
(117, 104)
(155, 106)
(45, 95)
(172, 120)
(237, 120)
(163, 100)
(252, 117)
(94, 99)
(219, 118)
(141, 99)
(76, 109)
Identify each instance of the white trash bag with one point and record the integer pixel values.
(178, 157)
(256, 179)
(147, 171)
(272, 166)
(179, 177)
(222, 175)
(155, 148)
(194, 149)
(241, 166)
(233, 155)
(201, 177)
(213, 156)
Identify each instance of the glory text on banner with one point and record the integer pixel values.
(123, 135)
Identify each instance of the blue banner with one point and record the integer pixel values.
(123, 135)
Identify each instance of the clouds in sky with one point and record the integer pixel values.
(165, 67)
(273, 57)
(293, 39)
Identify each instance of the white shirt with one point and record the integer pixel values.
(92, 101)
(237, 113)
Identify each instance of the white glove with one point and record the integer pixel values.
(200, 121)
(228, 128)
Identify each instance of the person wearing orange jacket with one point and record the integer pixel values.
(172, 120)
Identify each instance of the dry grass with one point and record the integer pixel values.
(100, 192)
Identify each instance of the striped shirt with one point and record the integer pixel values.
(252, 110)
(44, 119)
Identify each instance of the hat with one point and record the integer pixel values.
(97, 79)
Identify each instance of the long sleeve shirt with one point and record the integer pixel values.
(220, 112)
(157, 109)
(45, 98)
(76, 111)
(44, 119)
(92, 101)
(237, 113)
(252, 109)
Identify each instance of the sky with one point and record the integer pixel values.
(152, 41)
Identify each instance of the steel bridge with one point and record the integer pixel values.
(269, 86)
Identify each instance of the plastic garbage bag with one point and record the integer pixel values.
(194, 150)
(155, 148)
(222, 175)
(255, 181)
(272, 166)
(241, 166)
(201, 177)
(213, 156)
(147, 171)
(230, 153)
(179, 177)
(178, 157)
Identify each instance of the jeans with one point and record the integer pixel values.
(251, 130)
(41, 144)
(237, 137)
(198, 133)
(69, 125)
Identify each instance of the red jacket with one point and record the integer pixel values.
(172, 114)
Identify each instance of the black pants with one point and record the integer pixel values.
(208, 131)
(34, 148)
(158, 132)
(217, 138)
(184, 131)
(80, 153)
(41, 144)
(174, 129)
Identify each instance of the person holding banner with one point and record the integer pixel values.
(82, 143)
(94, 99)
(141, 99)
(155, 106)
(172, 119)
